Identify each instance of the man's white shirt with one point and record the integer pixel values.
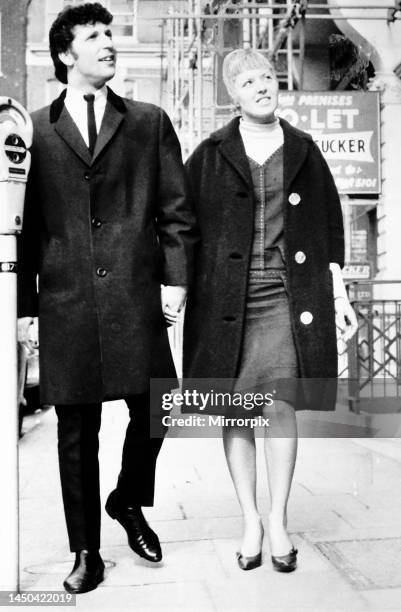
(78, 109)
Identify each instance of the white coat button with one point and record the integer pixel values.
(294, 198)
(306, 317)
(300, 257)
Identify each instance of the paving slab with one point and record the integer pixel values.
(320, 534)
(366, 564)
(168, 597)
(312, 586)
(380, 600)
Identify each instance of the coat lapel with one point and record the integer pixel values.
(66, 128)
(113, 116)
(295, 149)
(232, 148)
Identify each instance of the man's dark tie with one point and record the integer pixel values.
(90, 99)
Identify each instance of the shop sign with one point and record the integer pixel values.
(359, 245)
(356, 271)
(360, 292)
(345, 126)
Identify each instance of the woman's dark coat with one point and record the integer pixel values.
(222, 188)
(103, 233)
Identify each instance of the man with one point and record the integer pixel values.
(107, 221)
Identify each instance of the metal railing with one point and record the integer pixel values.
(374, 353)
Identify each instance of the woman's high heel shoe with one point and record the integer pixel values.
(249, 563)
(286, 563)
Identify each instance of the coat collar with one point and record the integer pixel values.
(66, 128)
(296, 144)
(232, 148)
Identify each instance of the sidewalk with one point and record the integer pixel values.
(344, 517)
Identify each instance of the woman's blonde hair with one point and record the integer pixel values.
(243, 59)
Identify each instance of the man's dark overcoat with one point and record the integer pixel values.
(103, 233)
(223, 194)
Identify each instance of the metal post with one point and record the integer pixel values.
(246, 29)
(290, 61)
(181, 60)
(199, 71)
(302, 52)
(175, 66)
(271, 29)
(162, 26)
(191, 87)
(254, 30)
(15, 161)
(9, 557)
(170, 72)
(214, 92)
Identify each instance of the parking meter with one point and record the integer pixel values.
(15, 159)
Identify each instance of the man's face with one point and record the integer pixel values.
(91, 57)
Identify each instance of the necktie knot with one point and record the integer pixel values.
(89, 97)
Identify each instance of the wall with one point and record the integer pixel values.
(12, 60)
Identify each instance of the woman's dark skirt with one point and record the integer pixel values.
(269, 360)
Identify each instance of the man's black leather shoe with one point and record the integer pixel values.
(141, 538)
(87, 572)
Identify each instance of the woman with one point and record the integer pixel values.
(268, 290)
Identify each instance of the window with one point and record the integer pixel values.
(124, 12)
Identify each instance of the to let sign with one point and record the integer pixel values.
(345, 126)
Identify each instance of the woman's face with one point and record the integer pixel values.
(256, 92)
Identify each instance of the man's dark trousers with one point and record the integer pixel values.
(78, 446)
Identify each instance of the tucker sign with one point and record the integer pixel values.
(345, 126)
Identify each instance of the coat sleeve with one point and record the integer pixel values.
(28, 253)
(192, 167)
(334, 212)
(175, 216)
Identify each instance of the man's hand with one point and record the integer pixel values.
(173, 300)
(24, 336)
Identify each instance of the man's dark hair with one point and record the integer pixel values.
(61, 35)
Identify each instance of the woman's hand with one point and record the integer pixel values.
(173, 300)
(346, 321)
